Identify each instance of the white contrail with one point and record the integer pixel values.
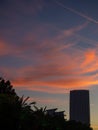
(76, 12)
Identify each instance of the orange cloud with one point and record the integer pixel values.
(54, 63)
(8, 49)
(60, 85)
(4, 48)
(57, 73)
(89, 57)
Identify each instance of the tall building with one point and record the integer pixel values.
(80, 106)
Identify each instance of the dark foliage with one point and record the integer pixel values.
(6, 87)
(73, 125)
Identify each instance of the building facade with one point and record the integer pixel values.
(80, 106)
(53, 112)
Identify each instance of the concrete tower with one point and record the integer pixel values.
(80, 106)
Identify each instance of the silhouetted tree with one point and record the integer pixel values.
(9, 112)
(10, 106)
(6, 87)
(27, 119)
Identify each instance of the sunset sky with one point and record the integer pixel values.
(49, 47)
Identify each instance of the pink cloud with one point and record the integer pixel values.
(53, 63)
(4, 48)
(89, 57)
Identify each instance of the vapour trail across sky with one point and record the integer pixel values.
(76, 12)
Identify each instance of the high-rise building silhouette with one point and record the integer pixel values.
(80, 106)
